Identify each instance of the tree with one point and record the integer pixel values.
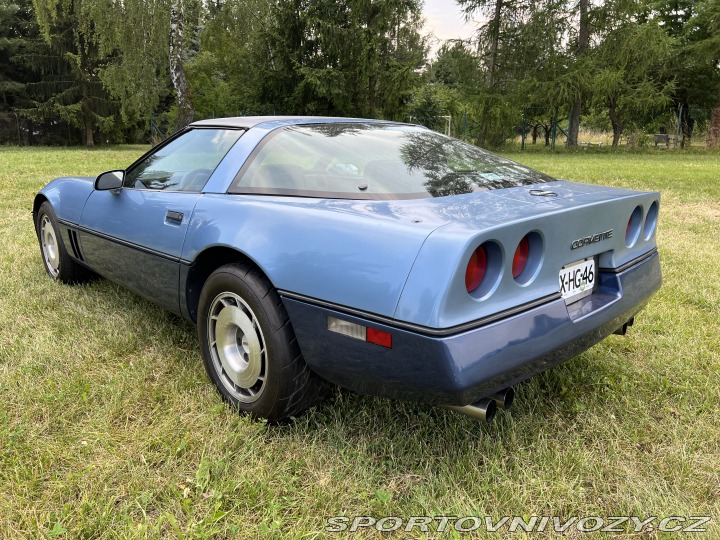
(71, 88)
(186, 113)
(694, 27)
(10, 42)
(456, 66)
(505, 53)
(632, 77)
(13, 20)
(133, 39)
(583, 42)
(355, 58)
(432, 103)
(496, 38)
(490, 32)
(708, 47)
(230, 48)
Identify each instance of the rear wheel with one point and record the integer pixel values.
(249, 348)
(57, 261)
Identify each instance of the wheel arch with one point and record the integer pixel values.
(206, 262)
(37, 203)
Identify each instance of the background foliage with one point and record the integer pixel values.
(87, 71)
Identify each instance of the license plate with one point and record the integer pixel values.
(577, 280)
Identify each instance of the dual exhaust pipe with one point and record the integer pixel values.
(486, 408)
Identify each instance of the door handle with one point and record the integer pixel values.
(172, 215)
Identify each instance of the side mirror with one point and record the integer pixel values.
(110, 180)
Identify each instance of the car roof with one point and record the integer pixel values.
(278, 121)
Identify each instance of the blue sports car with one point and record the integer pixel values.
(382, 257)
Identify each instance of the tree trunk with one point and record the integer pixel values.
(574, 132)
(494, 43)
(616, 124)
(713, 139)
(583, 42)
(583, 29)
(186, 113)
(688, 126)
(372, 95)
(89, 139)
(371, 58)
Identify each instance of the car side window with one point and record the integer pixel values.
(183, 164)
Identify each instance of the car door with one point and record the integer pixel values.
(134, 235)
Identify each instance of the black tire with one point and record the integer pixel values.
(249, 347)
(57, 261)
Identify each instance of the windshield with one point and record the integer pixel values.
(374, 161)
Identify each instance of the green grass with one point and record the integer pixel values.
(109, 427)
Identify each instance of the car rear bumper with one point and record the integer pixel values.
(464, 367)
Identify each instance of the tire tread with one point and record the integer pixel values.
(304, 388)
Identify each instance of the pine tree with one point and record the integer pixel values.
(71, 89)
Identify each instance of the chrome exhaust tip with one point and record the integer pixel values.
(484, 409)
(504, 398)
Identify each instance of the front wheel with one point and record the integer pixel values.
(249, 348)
(57, 261)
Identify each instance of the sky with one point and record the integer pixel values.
(445, 20)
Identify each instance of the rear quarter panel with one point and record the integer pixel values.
(355, 253)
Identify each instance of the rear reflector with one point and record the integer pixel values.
(378, 337)
(360, 332)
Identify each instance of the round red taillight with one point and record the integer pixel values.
(476, 268)
(520, 258)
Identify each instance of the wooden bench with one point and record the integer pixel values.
(662, 138)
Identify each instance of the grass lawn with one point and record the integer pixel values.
(109, 427)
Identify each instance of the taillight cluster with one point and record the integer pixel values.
(360, 332)
(485, 264)
(636, 225)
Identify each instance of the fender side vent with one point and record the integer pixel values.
(75, 244)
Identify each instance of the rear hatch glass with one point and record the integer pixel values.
(374, 161)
